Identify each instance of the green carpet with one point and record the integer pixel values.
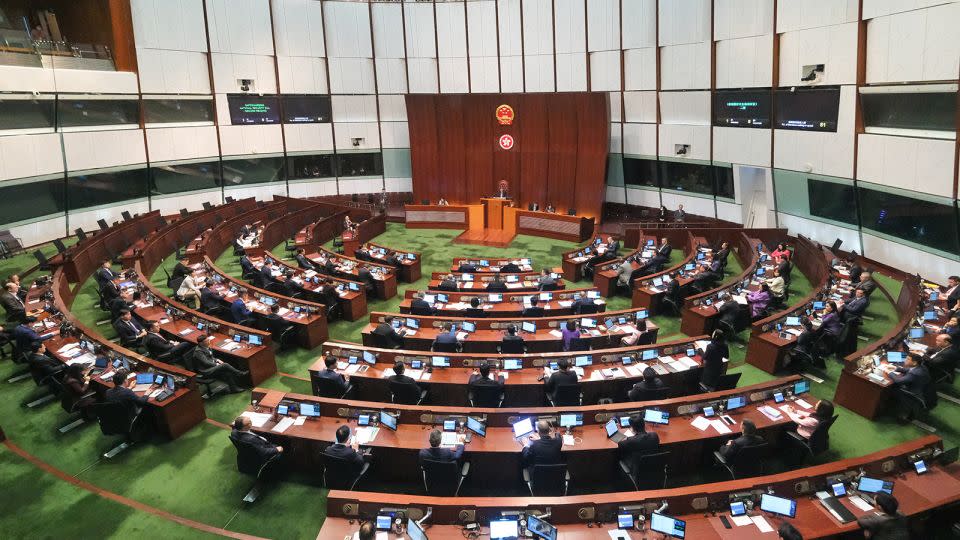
(195, 476)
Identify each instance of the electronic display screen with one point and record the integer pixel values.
(309, 409)
(440, 361)
(801, 387)
(512, 363)
(469, 327)
(736, 403)
(388, 420)
(306, 109)
(916, 333)
(807, 109)
(144, 378)
(624, 521)
(738, 508)
(571, 419)
(741, 108)
(920, 467)
(611, 427)
(504, 529)
(649, 354)
(583, 361)
(529, 327)
(655, 416)
(476, 426)
(839, 490)
(384, 522)
(874, 485)
(414, 531)
(778, 505)
(248, 109)
(668, 525)
(523, 428)
(540, 528)
(588, 322)
(792, 321)
(369, 357)
(449, 425)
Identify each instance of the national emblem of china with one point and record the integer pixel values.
(505, 115)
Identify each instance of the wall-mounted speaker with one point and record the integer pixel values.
(467, 516)
(351, 509)
(700, 503)
(587, 513)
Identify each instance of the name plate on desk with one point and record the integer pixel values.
(548, 224)
(439, 216)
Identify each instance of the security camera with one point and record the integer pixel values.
(681, 149)
(245, 85)
(356, 141)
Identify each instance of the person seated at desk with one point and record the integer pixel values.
(76, 391)
(888, 523)
(447, 336)
(856, 307)
(127, 300)
(867, 284)
(290, 287)
(437, 453)
(581, 302)
(330, 372)
(328, 293)
(246, 265)
(22, 291)
(711, 271)
(758, 301)
(497, 285)
(121, 392)
(542, 450)
(672, 289)
(550, 209)
(398, 368)
(729, 311)
(722, 253)
(636, 330)
(302, 260)
(442, 202)
(39, 361)
(182, 269)
(786, 531)
(190, 290)
(654, 265)
(239, 311)
(951, 328)
(830, 323)
(264, 277)
(613, 246)
(386, 331)
(475, 310)
(109, 291)
(104, 273)
(946, 358)
(650, 385)
(569, 331)
(367, 531)
(624, 270)
(276, 324)
(534, 207)
(129, 330)
(157, 345)
(748, 437)
(348, 225)
(784, 267)
(713, 357)
(241, 432)
(777, 286)
(807, 422)
(510, 268)
(664, 249)
(512, 337)
(563, 375)
(245, 230)
(534, 310)
(208, 366)
(419, 306)
(466, 267)
(449, 284)
(853, 269)
(546, 282)
(911, 378)
(326, 265)
(780, 251)
(209, 298)
(482, 377)
(640, 443)
(952, 294)
(346, 449)
(24, 336)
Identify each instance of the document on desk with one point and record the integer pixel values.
(282, 425)
(568, 440)
(366, 434)
(762, 524)
(617, 534)
(565, 303)
(803, 404)
(596, 375)
(467, 285)
(687, 361)
(634, 371)
(720, 427)
(860, 503)
(700, 423)
(556, 333)
(462, 335)
(300, 421)
(740, 521)
(256, 419)
(770, 412)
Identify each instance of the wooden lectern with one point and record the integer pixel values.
(494, 212)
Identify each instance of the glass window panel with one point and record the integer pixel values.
(919, 221)
(315, 166)
(306, 109)
(367, 164)
(640, 172)
(86, 190)
(162, 111)
(178, 178)
(97, 112)
(807, 109)
(935, 111)
(252, 171)
(692, 177)
(723, 176)
(45, 198)
(829, 200)
(27, 113)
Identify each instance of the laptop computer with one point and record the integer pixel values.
(613, 431)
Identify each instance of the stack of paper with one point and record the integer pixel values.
(283, 424)
(700, 423)
(720, 427)
(556, 333)
(256, 419)
(366, 434)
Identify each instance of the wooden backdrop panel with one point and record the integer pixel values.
(559, 154)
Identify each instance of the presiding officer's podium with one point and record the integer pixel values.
(494, 211)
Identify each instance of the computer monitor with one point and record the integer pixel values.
(736, 402)
(657, 281)
(369, 357)
(625, 521)
(611, 427)
(477, 426)
(792, 321)
(641, 315)
(916, 333)
(255, 339)
(761, 271)
(593, 295)
(384, 522)
(546, 296)
(237, 338)
(442, 298)
(309, 409)
(667, 525)
(929, 315)
(737, 508)
(353, 286)
(523, 427)
(282, 410)
(609, 323)
(656, 417)
(484, 263)
(528, 326)
(504, 529)
(895, 357)
(469, 326)
(778, 505)
(416, 364)
(689, 266)
(411, 257)
(838, 489)
(583, 361)
(412, 323)
(801, 387)
(495, 297)
(466, 277)
(512, 279)
(571, 419)
(587, 322)
(649, 354)
(874, 485)
(691, 353)
(201, 325)
(512, 363)
(440, 361)
(429, 298)
(388, 420)
(414, 531)
(144, 378)
(449, 425)
(540, 528)
(778, 397)
(818, 305)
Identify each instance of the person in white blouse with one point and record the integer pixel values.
(190, 290)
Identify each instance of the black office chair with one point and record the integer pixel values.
(330, 388)
(446, 347)
(184, 212)
(938, 374)
(48, 382)
(818, 443)
(588, 309)
(406, 393)
(566, 395)
(287, 337)
(749, 461)
(443, 478)
(121, 419)
(382, 342)
(728, 381)
(75, 411)
(549, 287)
(512, 347)
(341, 474)
(547, 480)
(207, 206)
(579, 344)
(571, 211)
(425, 311)
(424, 201)
(487, 396)
(645, 394)
(41, 260)
(102, 223)
(250, 463)
(212, 385)
(646, 471)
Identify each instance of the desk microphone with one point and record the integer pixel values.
(663, 507)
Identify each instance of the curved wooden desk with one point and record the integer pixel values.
(511, 306)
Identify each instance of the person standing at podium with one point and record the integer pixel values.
(443, 202)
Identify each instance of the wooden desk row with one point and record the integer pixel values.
(524, 281)
(431, 216)
(546, 337)
(384, 276)
(605, 274)
(593, 517)
(83, 258)
(678, 367)
(226, 232)
(554, 304)
(351, 298)
(409, 269)
(573, 261)
(648, 291)
(491, 265)
(548, 224)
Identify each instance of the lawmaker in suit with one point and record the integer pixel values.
(122, 394)
(482, 377)
(563, 376)
(129, 330)
(952, 293)
(209, 298)
(466, 267)
(497, 285)
(303, 261)
(264, 277)
(722, 254)
(208, 366)
(856, 307)
(867, 284)
(246, 265)
(39, 361)
(729, 311)
(157, 345)
(104, 273)
(264, 449)
(665, 249)
(386, 332)
(446, 336)
(651, 385)
(330, 362)
(398, 376)
(581, 302)
(747, 438)
(544, 450)
(546, 281)
(13, 305)
(534, 310)
(888, 523)
(24, 337)
(346, 449)
(911, 378)
(510, 268)
(436, 453)
(511, 337)
(641, 443)
(947, 356)
(239, 311)
(181, 270)
(449, 284)
(419, 306)
(713, 357)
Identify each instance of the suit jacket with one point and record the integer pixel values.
(109, 290)
(421, 305)
(291, 287)
(343, 451)
(713, 363)
(730, 312)
(664, 251)
(560, 378)
(855, 272)
(448, 285)
(623, 273)
(497, 286)
(510, 268)
(640, 443)
(402, 379)
(542, 452)
(179, 271)
(856, 307)
(831, 324)
(246, 265)
(13, 306)
(127, 330)
(304, 262)
(275, 323)
(209, 298)
(105, 274)
(364, 275)
(23, 336)
(946, 359)
(466, 268)
(156, 344)
(387, 331)
(479, 380)
(722, 255)
(885, 527)
(867, 286)
(239, 310)
(203, 360)
(122, 394)
(953, 297)
(913, 380)
(334, 376)
(264, 448)
(446, 337)
(728, 451)
(44, 363)
(533, 311)
(265, 276)
(579, 303)
(441, 454)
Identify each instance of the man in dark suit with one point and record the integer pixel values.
(121, 392)
(665, 249)
(419, 306)
(290, 287)
(275, 323)
(747, 438)
(643, 390)
(784, 268)
(613, 246)
(13, 305)
(542, 450)
(534, 310)
(953, 291)
(329, 266)
(264, 277)
(510, 268)
(563, 376)
(245, 265)
(729, 311)
(158, 345)
(546, 281)
(449, 283)
(947, 356)
(303, 261)
(239, 311)
(208, 366)
(580, 302)
(346, 449)
(446, 336)
(386, 332)
(867, 284)
(497, 285)
(641, 443)
(104, 273)
(855, 270)
(128, 329)
(209, 298)
(722, 253)
(181, 270)
(482, 377)
(241, 433)
(475, 311)
(330, 363)
(109, 291)
(855, 307)
(713, 357)
(436, 453)
(122, 302)
(654, 265)
(398, 376)
(39, 360)
(511, 338)
(393, 260)
(466, 267)
(24, 337)
(911, 378)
